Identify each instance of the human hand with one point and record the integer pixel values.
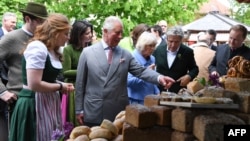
(166, 81)
(67, 88)
(184, 80)
(215, 73)
(152, 67)
(9, 97)
(79, 118)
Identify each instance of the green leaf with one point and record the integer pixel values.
(202, 81)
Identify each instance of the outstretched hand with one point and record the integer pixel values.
(166, 81)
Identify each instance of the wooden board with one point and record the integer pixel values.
(200, 105)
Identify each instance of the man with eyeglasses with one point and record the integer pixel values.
(11, 47)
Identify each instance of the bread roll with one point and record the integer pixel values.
(99, 139)
(82, 138)
(194, 86)
(95, 127)
(79, 130)
(118, 138)
(119, 115)
(119, 123)
(101, 133)
(110, 126)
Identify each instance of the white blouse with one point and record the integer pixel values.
(36, 54)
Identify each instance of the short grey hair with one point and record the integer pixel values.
(175, 31)
(109, 22)
(146, 38)
(7, 15)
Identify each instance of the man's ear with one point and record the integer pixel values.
(105, 30)
(27, 19)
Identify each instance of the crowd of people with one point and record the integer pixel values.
(98, 78)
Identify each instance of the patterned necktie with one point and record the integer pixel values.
(110, 55)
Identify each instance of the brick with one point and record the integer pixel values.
(140, 116)
(152, 100)
(163, 114)
(209, 127)
(156, 133)
(182, 136)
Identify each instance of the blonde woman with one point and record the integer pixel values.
(138, 88)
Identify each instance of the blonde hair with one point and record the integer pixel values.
(146, 38)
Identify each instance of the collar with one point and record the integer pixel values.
(4, 30)
(26, 31)
(105, 45)
(174, 52)
(237, 48)
(202, 44)
(141, 59)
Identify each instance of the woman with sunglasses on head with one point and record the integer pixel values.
(80, 37)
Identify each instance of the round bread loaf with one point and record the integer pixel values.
(82, 138)
(119, 115)
(79, 130)
(95, 127)
(110, 126)
(99, 139)
(119, 123)
(118, 138)
(101, 133)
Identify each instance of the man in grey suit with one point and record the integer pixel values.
(101, 88)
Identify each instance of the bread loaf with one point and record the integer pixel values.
(205, 100)
(82, 138)
(194, 86)
(110, 126)
(79, 130)
(163, 115)
(151, 100)
(101, 133)
(119, 115)
(95, 127)
(118, 138)
(119, 124)
(209, 127)
(99, 139)
(140, 116)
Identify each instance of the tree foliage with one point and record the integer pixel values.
(240, 12)
(132, 12)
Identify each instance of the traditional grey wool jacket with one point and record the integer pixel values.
(11, 48)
